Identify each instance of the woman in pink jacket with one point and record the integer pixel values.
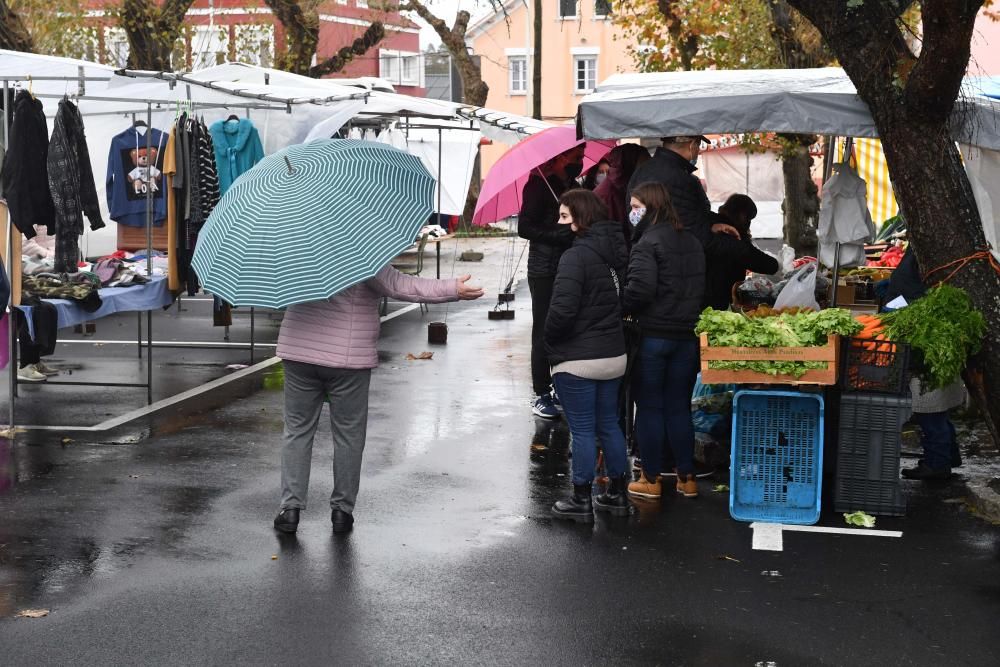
(328, 349)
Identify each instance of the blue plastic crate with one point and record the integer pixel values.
(777, 463)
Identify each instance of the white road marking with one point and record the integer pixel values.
(768, 536)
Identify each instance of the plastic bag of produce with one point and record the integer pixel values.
(800, 290)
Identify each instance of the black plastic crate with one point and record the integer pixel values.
(867, 476)
(874, 366)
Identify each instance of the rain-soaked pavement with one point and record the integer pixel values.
(152, 544)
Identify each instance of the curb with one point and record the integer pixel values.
(983, 500)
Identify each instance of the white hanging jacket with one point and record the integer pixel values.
(844, 218)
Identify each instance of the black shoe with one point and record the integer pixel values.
(956, 457)
(342, 521)
(926, 473)
(579, 507)
(287, 520)
(615, 499)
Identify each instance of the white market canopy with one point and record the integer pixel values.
(805, 101)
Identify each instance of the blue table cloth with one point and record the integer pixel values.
(153, 294)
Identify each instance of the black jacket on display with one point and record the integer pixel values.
(666, 282)
(538, 222)
(71, 183)
(25, 178)
(686, 193)
(730, 267)
(585, 315)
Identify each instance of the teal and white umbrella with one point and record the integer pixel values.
(312, 220)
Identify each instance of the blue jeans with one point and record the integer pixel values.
(591, 408)
(664, 379)
(938, 438)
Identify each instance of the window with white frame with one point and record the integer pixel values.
(363, 4)
(602, 8)
(254, 44)
(209, 46)
(567, 9)
(518, 68)
(401, 68)
(115, 47)
(584, 73)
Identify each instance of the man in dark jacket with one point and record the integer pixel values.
(725, 269)
(673, 166)
(538, 222)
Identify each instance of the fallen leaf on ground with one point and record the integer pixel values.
(721, 488)
(859, 519)
(725, 557)
(32, 613)
(66, 441)
(423, 356)
(274, 558)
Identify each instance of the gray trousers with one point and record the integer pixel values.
(306, 387)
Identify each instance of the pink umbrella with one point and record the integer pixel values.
(500, 196)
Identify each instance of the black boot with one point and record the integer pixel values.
(615, 499)
(578, 507)
(287, 520)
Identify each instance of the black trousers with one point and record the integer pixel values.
(45, 317)
(541, 297)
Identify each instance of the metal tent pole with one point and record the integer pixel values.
(439, 188)
(149, 247)
(11, 326)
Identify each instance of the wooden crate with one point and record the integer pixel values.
(830, 353)
(134, 238)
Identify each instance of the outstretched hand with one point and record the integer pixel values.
(723, 228)
(468, 292)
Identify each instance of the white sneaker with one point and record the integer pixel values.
(30, 374)
(45, 369)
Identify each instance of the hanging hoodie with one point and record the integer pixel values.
(237, 148)
(71, 181)
(131, 173)
(25, 179)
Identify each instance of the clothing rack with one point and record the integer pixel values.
(160, 104)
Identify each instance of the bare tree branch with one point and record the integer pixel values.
(14, 36)
(337, 62)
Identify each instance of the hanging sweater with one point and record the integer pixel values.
(71, 181)
(131, 172)
(237, 148)
(25, 179)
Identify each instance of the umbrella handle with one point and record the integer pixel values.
(291, 169)
(547, 184)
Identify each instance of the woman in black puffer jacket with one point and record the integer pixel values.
(586, 347)
(666, 284)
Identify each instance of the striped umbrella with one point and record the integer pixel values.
(312, 220)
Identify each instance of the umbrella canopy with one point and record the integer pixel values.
(312, 220)
(500, 196)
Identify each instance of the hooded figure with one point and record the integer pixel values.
(623, 161)
(237, 148)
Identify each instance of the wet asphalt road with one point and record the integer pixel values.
(153, 545)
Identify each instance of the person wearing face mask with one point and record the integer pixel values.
(596, 175)
(538, 222)
(622, 162)
(664, 292)
(673, 166)
(586, 346)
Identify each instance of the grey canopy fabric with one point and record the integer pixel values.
(812, 101)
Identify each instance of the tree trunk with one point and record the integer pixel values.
(911, 100)
(13, 35)
(152, 31)
(801, 206)
(536, 58)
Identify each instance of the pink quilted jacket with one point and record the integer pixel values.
(341, 332)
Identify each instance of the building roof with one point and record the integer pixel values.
(490, 19)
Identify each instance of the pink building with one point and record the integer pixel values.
(985, 47)
(217, 32)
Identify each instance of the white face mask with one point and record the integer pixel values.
(635, 215)
(600, 178)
